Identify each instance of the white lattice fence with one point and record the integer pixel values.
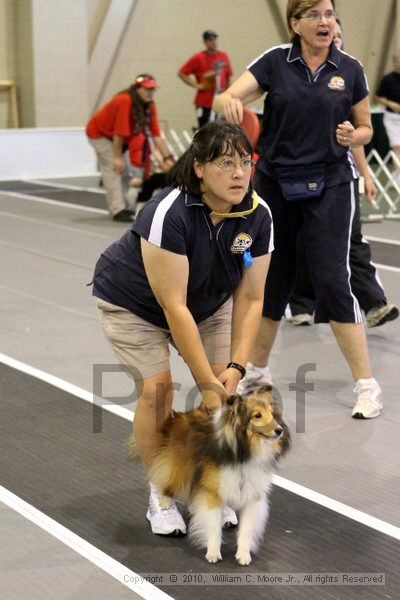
(387, 181)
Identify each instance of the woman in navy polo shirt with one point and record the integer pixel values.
(171, 278)
(365, 280)
(316, 107)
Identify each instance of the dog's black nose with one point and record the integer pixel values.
(278, 430)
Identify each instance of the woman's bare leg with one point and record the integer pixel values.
(264, 342)
(155, 396)
(352, 342)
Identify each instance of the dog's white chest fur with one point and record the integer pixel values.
(242, 483)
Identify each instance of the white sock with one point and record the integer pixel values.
(371, 381)
(154, 489)
(257, 369)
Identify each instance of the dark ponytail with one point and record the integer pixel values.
(140, 112)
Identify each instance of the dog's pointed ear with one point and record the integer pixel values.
(271, 394)
(233, 398)
(264, 389)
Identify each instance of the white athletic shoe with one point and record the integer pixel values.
(255, 377)
(164, 517)
(369, 399)
(381, 314)
(229, 517)
(302, 320)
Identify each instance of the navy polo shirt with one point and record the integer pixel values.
(181, 224)
(302, 110)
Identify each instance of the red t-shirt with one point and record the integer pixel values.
(114, 118)
(202, 62)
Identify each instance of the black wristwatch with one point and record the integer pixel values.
(233, 365)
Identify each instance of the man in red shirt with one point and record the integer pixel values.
(209, 72)
(129, 119)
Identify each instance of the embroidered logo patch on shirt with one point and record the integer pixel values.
(337, 83)
(241, 243)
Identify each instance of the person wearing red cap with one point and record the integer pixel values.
(209, 72)
(128, 120)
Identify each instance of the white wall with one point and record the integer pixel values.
(163, 34)
(60, 62)
(7, 57)
(27, 153)
(52, 39)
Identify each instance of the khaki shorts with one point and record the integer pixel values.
(143, 348)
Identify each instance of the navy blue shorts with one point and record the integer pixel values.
(327, 224)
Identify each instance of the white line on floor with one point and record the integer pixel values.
(66, 186)
(53, 225)
(372, 238)
(46, 256)
(54, 305)
(125, 576)
(47, 176)
(101, 211)
(339, 507)
(66, 386)
(387, 268)
(300, 490)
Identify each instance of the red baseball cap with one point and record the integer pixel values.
(145, 80)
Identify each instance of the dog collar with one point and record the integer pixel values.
(241, 213)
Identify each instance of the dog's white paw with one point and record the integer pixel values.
(243, 557)
(213, 557)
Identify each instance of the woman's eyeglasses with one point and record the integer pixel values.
(228, 164)
(315, 16)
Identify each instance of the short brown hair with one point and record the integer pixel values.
(294, 10)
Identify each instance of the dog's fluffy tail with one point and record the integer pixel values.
(132, 449)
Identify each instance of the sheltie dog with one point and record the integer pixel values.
(226, 458)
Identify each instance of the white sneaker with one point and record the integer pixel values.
(369, 399)
(381, 314)
(164, 517)
(302, 320)
(229, 517)
(255, 377)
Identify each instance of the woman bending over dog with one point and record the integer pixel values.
(191, 272)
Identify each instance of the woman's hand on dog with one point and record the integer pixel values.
(216, 392)
(213, 394)
(230, 379)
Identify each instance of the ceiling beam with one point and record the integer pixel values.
(106, 48)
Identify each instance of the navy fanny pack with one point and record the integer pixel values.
(301, 183)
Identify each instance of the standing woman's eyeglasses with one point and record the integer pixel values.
(315, 16)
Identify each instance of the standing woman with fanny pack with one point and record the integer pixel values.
(365, 281)
(315, 109)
